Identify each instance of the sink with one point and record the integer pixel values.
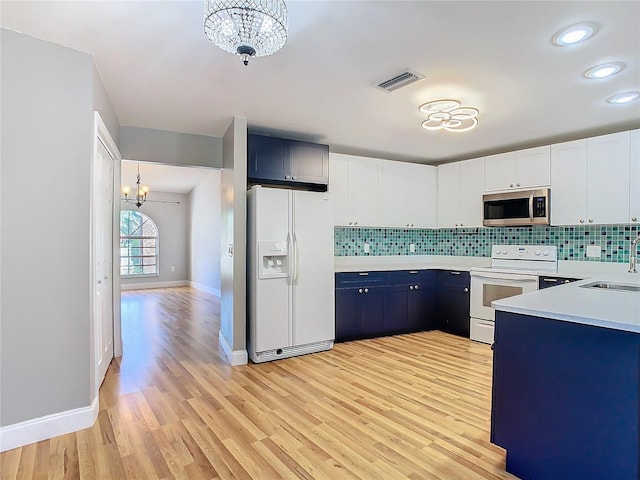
(612, 286)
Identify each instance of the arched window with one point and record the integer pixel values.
(138, 245)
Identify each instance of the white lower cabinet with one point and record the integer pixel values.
(590, 180)
(460, 189)
(409, 195)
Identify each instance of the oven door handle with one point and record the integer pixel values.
(505, 276)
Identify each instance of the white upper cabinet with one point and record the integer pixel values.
(608, 178)
(356, 185)
(521, 169)
(634, 177)
(409, 195)
(460, 189)
(338, 186)
(590, 180)
(569, 183)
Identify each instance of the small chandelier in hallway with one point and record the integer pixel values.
(141, 192)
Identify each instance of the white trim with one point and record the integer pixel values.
(49, 426)
(205, 288)
(140, 286)
(235, 357)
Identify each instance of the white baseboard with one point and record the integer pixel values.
(235, 357)
(205, 288)
(139, 286)
(49, 426)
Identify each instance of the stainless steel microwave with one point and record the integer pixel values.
(519, 208)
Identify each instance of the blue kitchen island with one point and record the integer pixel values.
(566, 382)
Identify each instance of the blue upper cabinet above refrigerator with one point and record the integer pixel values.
(280, 161)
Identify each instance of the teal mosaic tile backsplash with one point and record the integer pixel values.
(572, 242)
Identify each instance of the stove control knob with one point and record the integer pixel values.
(504, 252)
(538, 252)
(545, 253)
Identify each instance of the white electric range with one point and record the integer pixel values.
(514, 270)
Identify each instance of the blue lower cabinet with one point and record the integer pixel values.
(380, 303)
(454, 302)
(565, 399)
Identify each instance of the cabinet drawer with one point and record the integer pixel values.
(411, 277)
(454, 278)
(357, 279)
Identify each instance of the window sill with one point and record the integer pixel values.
(148, 275)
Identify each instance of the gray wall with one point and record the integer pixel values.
(173, 231)
(47, 116)
(205, 233)
(102, 103)
(173, 148)
(233, 315)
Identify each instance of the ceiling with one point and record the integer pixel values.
(161, 72)
(162, 178)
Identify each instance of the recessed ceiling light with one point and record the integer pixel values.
(574, 34)
(605, 70)
(625, 97)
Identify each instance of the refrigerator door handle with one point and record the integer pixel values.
(295, 259)
(289, 264)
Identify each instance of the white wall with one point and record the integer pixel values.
(47, 107)
(205, 233)
(172, 148)
(233, 268)
(173, 244)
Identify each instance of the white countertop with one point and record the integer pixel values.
(407, 262)
(619, 310)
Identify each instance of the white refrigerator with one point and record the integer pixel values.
(291, 306)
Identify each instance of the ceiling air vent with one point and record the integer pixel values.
(401, 80)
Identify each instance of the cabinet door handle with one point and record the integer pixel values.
(466, 290)
(366, 290)
(359, 290)
(413, 272)
(363, 274)
(581, 220)
(511, 185)
(634, 219)
(591, 220)
(517, 184)
(552, 280)
(410, 287)
(287, 177)
(355, 223)
(293, 178)
(350, 223)
(416, 287)
(455, 273)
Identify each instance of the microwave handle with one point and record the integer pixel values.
(531, 208)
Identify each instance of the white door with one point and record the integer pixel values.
(487, 287)
(339, 186)
(364, 192)
(395, 210)
(500, 171)
(471, 190)
(533, 167)
(608, 178)
(102, 228)
(313, 306)
(449, 195)
(569, 183)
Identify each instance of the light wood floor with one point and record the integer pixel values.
(412, 406)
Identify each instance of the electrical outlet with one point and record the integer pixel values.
(412, 247)
(593, 251)
(366, 248)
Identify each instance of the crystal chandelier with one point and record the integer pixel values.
(249, 28)
(141, 192)
(449, 115)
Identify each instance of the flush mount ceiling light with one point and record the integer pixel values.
(448, 115)
(249, 28)
(622, 98)
(574, 34)
(605, 70)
